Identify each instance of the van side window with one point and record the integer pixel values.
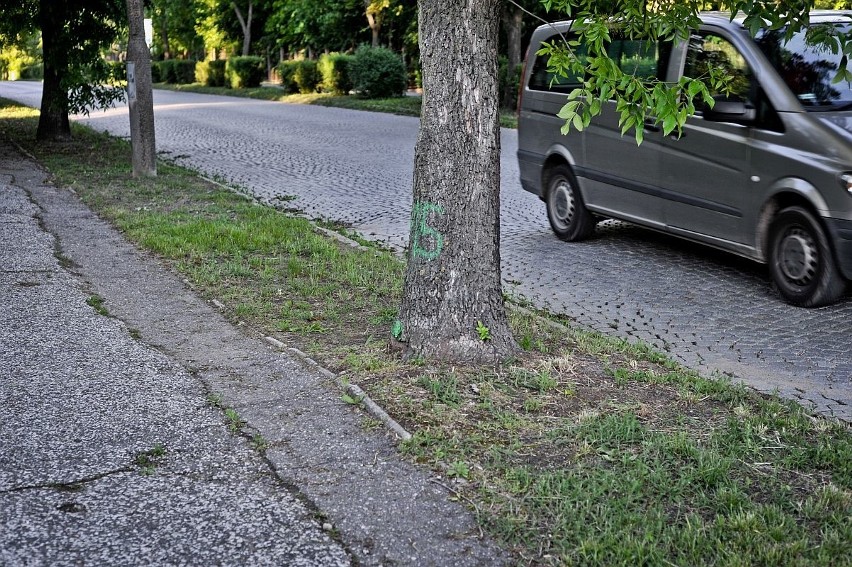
(709, 49)
(642, 58)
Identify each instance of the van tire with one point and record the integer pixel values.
(801, 260)
(569, 218)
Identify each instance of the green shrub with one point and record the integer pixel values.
(32, 72)
(378, 72)
(156, 72)
(306, 76)
(184, 71)
(174, 71)
(287, 72)
(334, 73)
(508, 85)
(244, 72)
(211, 73)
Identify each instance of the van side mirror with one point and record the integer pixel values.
(729, 109)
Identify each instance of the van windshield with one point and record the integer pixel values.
(808, 69)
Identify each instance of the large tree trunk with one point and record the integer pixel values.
(512, 20)
(53, 121)
(453, 304)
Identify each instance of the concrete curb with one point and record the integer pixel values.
(350, 389)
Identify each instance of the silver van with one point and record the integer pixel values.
(766, 173)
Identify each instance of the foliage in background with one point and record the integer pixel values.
(306, 76)
(378, 72)
(173, 71)
(211, 73)
(334, 73)
(244, 72)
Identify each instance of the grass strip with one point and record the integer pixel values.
(405, 106)
(584, 450)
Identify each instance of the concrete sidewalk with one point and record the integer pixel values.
(112, 452)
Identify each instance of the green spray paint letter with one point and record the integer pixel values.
(421, 232)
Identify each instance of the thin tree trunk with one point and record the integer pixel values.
(245, 24)
(164, 35)
(512, 20)
(140, 97)
(53, 121)
(374, 19)
(452, 307)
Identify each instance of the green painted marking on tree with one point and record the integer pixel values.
(423, 235)
(396, 329)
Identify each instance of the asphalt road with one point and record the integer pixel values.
(712, 311)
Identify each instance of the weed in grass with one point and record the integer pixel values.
(235, 422)
(259, 442)
(443, 389)
(97, 303)
(458, 469)
(148, 461)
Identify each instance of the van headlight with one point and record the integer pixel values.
(846, 181)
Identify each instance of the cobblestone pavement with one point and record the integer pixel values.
(712, 311)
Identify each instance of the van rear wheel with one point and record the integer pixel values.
(569, 218)
(801, 261)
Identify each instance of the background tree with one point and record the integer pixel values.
(74, 32)
(174, 24)
(317, 25)
(245, 20)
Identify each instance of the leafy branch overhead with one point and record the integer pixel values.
(642, 98)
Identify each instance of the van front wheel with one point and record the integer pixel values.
(801, 261)
(569, 218)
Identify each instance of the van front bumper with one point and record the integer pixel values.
(841, 234)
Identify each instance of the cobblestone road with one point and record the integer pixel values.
(712, 311)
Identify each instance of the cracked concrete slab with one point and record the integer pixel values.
(89, 403)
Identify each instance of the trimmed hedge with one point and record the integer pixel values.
(244, 72)
(32, 72)
(306, 76)
(287, 72)
(174, 71)
(378, 72)
(334, 73)
(211, 73)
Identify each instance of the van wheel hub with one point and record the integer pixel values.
(563, 202)
(799, 257)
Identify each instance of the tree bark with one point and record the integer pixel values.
(452, 307)
(53, 123)
(140, 97)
